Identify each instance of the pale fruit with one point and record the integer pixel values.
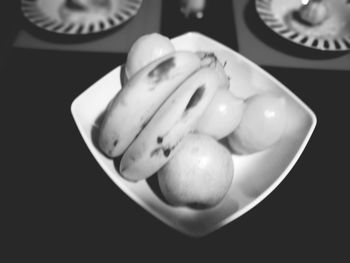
(146, 49)
(222, 116)
(262, 125)
(314, 13)
(199, 175)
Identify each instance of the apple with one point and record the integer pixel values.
(262, 125)
(222, 116)
(146, 49)
(199, 174)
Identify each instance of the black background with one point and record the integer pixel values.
(59, 206)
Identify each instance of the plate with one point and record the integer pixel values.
(331, 35)
(255, 175)
(79, 17)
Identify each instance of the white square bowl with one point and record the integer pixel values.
(256, 175)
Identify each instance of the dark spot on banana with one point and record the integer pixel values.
(196, 97)
(159, 139)
(166, 152)
(161, 71)
(115, 143)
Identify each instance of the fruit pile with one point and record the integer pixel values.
(170, 114)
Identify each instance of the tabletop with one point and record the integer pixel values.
(60, 205)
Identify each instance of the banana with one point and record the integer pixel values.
(177, 116)
(135, 104)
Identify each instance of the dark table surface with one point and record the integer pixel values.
(60, 205)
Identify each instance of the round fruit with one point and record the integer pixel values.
(199, 175)
(146, 49)
(262, 124)
(222, 116)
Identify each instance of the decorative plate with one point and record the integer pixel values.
(79, 17)
(332, 34)
(256, 175)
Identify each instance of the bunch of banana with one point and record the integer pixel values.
(141, 96)
(158, 106)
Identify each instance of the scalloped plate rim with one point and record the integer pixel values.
(261, 12)
(51, 23)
